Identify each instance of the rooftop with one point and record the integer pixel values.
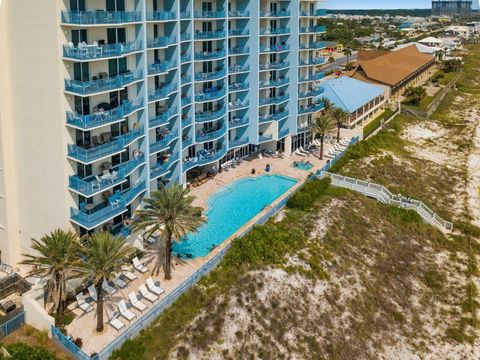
(350, 94)
(420, 47)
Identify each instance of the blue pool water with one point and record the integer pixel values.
(230, 208)
(303, 166)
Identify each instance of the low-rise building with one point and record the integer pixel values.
(360, 99)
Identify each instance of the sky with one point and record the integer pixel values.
(378, 4)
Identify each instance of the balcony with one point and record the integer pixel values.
(275, 66)
(283, 132)
(184, 58)
(273, 100)
(273, 83)
(264, 138)
(274, 48)
(209, 35)
(310, 93)
(316, 13)
(100, 17)
(96, 151)
(162, 169)
(210, 136)
(186, 101)
(185, 36)
(238, 86)
(162, 119)
(87, 88)
(209, 14)
(239, 14)
(163, 143)
(313, 61)
(160, 16)
(186, 122)
(312, 46)
(184, 14)
(275, 31)
(210, 94)
(236, 122)
(101, 117)
(94, 184)
(238, 32)
(238, 142)
(312, 77)
(273, 117)
(162, 41)
(210, 76)
(116, 205)
(204, 157)
(161, 67)
(95, 51)
(210, 115)
(201, 56)
(185, 79)
(239, 50)
(313, 29)
(238, 104)
(309, 109)
(235, 69)
(304, 127)
(187, 142)
(274, 14)
(162, 93)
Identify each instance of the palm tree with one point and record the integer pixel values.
(331, 61)
(327, 105)
(169, 211)
(104, 256)
(347, 52)
(339, 116)
(322, 124)
(57, 260)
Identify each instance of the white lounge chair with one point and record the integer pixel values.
(117, 323)
(154, 288)
(137, 304)
(108, 289)
(119, 282)
(92, 292)
(139, 266)
(129, 275)
(297, 152)
(147, 294)
(303, 151)
(82, 304)
(122, 308)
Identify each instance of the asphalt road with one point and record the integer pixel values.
(340, 61)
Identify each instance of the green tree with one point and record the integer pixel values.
(347, 52)
(56, 258)
(327, 104)
(321, 126)
(415, 95)
(331, 61)
(105, 255)
(170, 212)
(349, 66)
(339, 116)
(451, 65)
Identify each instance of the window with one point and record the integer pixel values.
(79, 36)
(77, 5)
(80, 72)
(115, 5)
(116, 35)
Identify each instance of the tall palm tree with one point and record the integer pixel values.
(170, 212)
(321, 126)
(331, 61)
(327, 105)
(347, 52)
(104, 256)
(340, 116)
(56, 259)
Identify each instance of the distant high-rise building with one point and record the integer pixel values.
(458, 8)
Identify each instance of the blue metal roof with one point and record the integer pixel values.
(350, 94)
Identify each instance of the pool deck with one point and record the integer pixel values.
(83, 326)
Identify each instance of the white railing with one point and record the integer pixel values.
(383, 195)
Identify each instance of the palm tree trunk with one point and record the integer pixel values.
(58, 291)
(338, 133)
(168, 256)
(321, 148)
(99, 305)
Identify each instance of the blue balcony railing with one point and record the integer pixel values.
(95, 184)
(101, 85)
(209, 14)
(313, 61)
(273, 83)
(274, 48)
(101, 118)
(161, 169)
(99, 17)
(238, 32)
(238, 86)
(304, 127)
(283, 13)
(312, 46)
(162, 41)
(239, 50)
(318, 12)
(275, 66)
(263, 138)
(312, 77)
(118, 144)
(321, 12)
(210, 95)
(209, 136)
(102, 213)
(237, 122)
(238, 142)
(187, 142)
(185, 14)
(204, 158)
(275, 31)
(186, 101)
(209, 55)
(273, 100)
(283, 132)
(233, 69)
(185, 58)
(313, 29)
(186, 122)
(162, 67)
(185, 79)
(207, 35)
(163, 143)
(238, 104)
(162, 119)
(311, 93)
(308, 109)
(162, 93)
(95, 51)
(239, 13)
(273, 117)
(210, 115)
(185, 36)
(160, 15)
(210, 76)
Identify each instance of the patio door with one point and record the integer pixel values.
(115, 5)
(77, 5)
(81, 72)
(115, 36)
(79, 36)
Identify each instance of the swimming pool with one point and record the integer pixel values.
(230, 208)
(303, 166)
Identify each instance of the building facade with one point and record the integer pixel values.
(105, 100)
(456, 8)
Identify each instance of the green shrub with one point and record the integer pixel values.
(375, 123)
(21, 351)
(130, 350)
(304, 198)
